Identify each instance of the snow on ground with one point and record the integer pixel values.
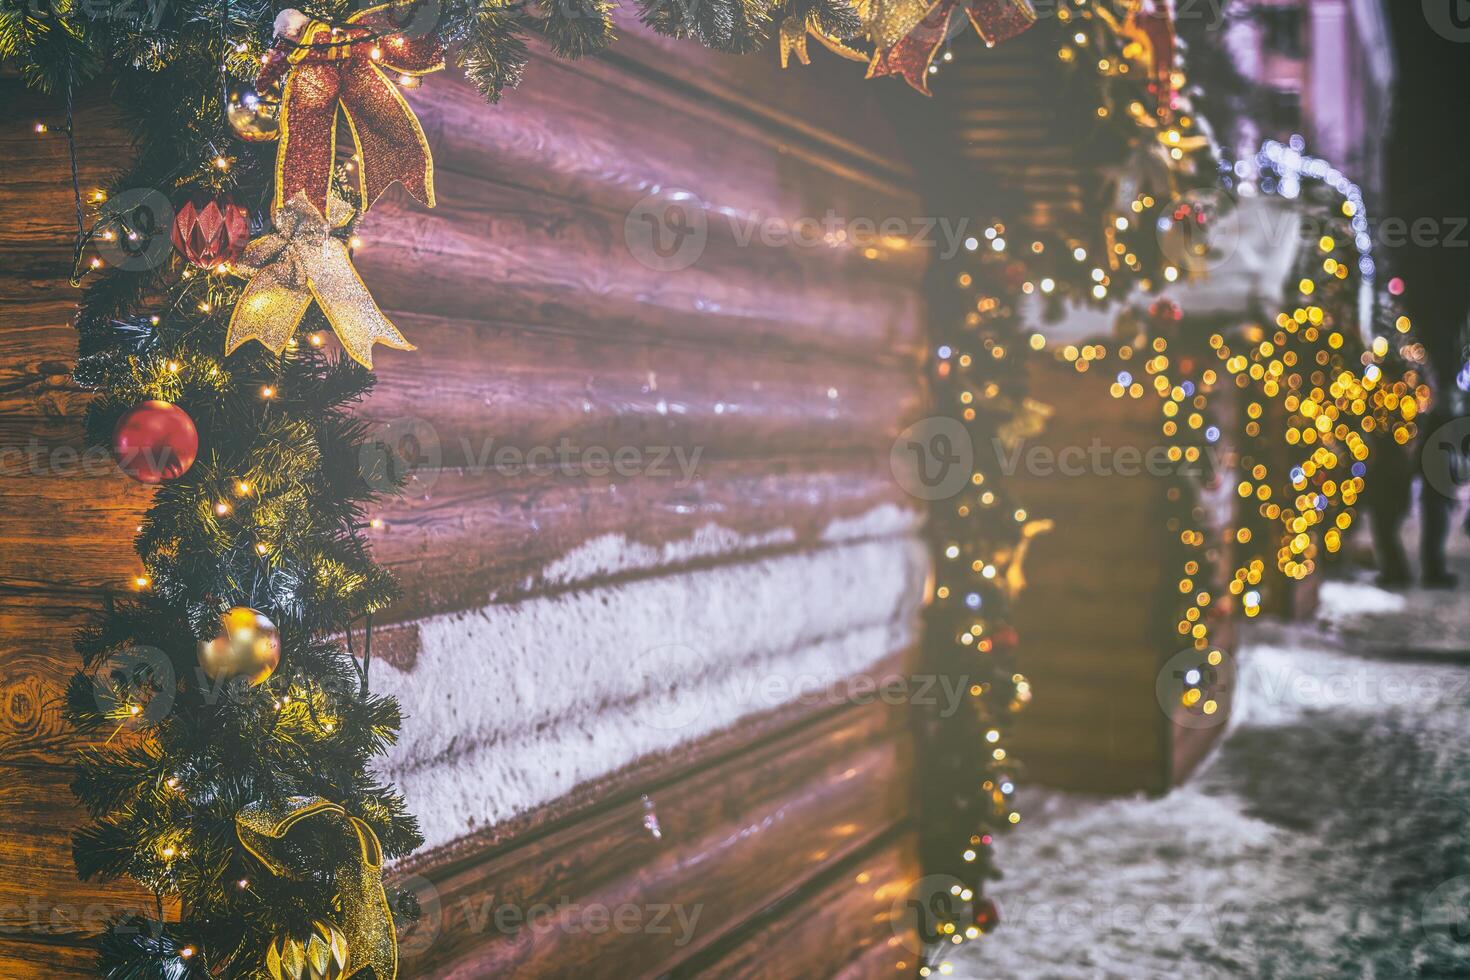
(1343, 601)
(1329, 836)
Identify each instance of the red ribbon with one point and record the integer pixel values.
(347, 68)
(994, 20)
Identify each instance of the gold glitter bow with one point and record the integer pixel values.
(369, 940)
(793, 37)
(300, 262)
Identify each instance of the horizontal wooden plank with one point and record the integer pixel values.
(536, 260)
(859, 914)
(822, 102)
(467, 541)
(498, 385)
(28, 958)
(647, 773)
(36, 661)
(475, 538)
(568, 137)
(729, 840)
(35, 170)
(41, 899)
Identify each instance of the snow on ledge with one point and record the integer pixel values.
(513, 705)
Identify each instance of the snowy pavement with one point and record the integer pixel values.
(1328, 836)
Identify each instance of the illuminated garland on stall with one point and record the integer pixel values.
(980, 538)
(1137, 119)
(1332, 393)
(1311, 387)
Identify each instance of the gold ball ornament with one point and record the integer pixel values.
(321, 956)
(254, 116)
(248, 647)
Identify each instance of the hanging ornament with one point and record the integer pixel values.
(299, 262)
(210, 230)
(1011, 560)
(907, 34)
(1150, 27)
(323, 955)
(365, 937)
(1164, 312)
(249, 646)
(255, 116)
(324, 69)
(986, 915)
(793, 37)
(155, 441)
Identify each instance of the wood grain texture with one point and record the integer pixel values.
(1113, 567)
(41, 900)
(859, 912)
(468, 540)
(36, 661)
(730, 838)
(559, 264)
(501, 384)
(24, 960)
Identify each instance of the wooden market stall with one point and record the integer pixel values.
(1099, 612)
(762, 556)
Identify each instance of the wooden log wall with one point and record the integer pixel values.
(1114, 566)
(784, 370)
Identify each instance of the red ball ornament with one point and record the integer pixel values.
(986, 915)
(1165, 310)
(210, 230)
(155, 441)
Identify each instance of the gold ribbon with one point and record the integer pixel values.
(366, 920)
(793, 36)
(300, 262)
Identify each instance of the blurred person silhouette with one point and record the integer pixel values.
(1428, 201)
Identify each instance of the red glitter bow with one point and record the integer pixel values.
(994, 20)
(347, 68)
